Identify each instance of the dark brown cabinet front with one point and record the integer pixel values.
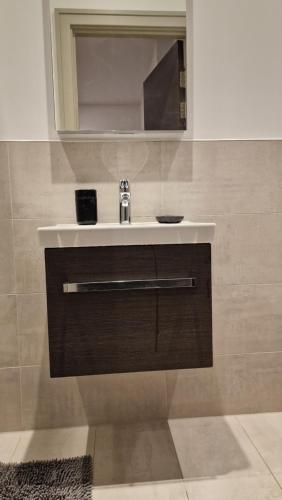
(111, 331)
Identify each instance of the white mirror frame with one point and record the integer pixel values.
(72, 22)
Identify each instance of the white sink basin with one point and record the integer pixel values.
(152, 233)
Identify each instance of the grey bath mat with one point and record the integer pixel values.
(47, 480)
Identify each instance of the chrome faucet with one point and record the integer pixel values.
(124, 202)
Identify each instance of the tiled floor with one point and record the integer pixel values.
(214, 458)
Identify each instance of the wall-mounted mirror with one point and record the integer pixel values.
(120, 71)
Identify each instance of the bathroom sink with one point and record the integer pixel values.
(110, 234)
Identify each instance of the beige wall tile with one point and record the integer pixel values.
(125, 397)
(214, 447)
(29, 256)
(223, 177)
(5, 198)
(135, 453)
(247, 248)
(219, 181)
(86, 400)
(80, 163)
(265, 430)
(57, 444)
(247, 318)
(135, 161)
(32, 328)
(176, 177)
(7, 266)
(236, 384)
(243, 488)
(8, 331)
(45, 175)
(177, 161)
(50, 402)
(10, 410)
(146, 199)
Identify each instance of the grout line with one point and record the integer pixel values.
(256, 353)
(258, 451)
(252, 475)
(117, 138)
(259, 353)
(17, 445)
(15, 284)
(14, 294)
(10, 182)
(226, 285)
(176, 454)
(12, 218)
(21, 398)
(93, 458)
(18, 367)
(166, 393)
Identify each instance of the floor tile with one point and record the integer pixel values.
(243, 488)
(265, 430)
(153, 491)
(142, 452)
(8, 443)
(214, 447)
(54, 443)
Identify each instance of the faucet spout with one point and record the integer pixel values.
(124, 202)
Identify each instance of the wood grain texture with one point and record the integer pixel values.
(128, 331)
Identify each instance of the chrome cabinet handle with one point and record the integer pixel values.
(122, 285)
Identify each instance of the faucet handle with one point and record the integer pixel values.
(124, 185)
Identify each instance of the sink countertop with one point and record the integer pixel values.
(141, 233)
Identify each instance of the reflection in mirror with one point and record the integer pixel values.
(119, 71)
(130, 83)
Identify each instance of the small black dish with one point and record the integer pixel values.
(169, 219)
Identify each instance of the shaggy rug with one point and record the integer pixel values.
(47, 480)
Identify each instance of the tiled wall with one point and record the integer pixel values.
(237, 184)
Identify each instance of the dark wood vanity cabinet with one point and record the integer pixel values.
(128, 330)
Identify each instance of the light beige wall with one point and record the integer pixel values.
(26, 87)
(25, 83)
(236, 53)
(172, 5)
(236, 184)
(236, 74)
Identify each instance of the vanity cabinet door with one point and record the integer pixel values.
(184, 315)
(104, 331)
(93, 332)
